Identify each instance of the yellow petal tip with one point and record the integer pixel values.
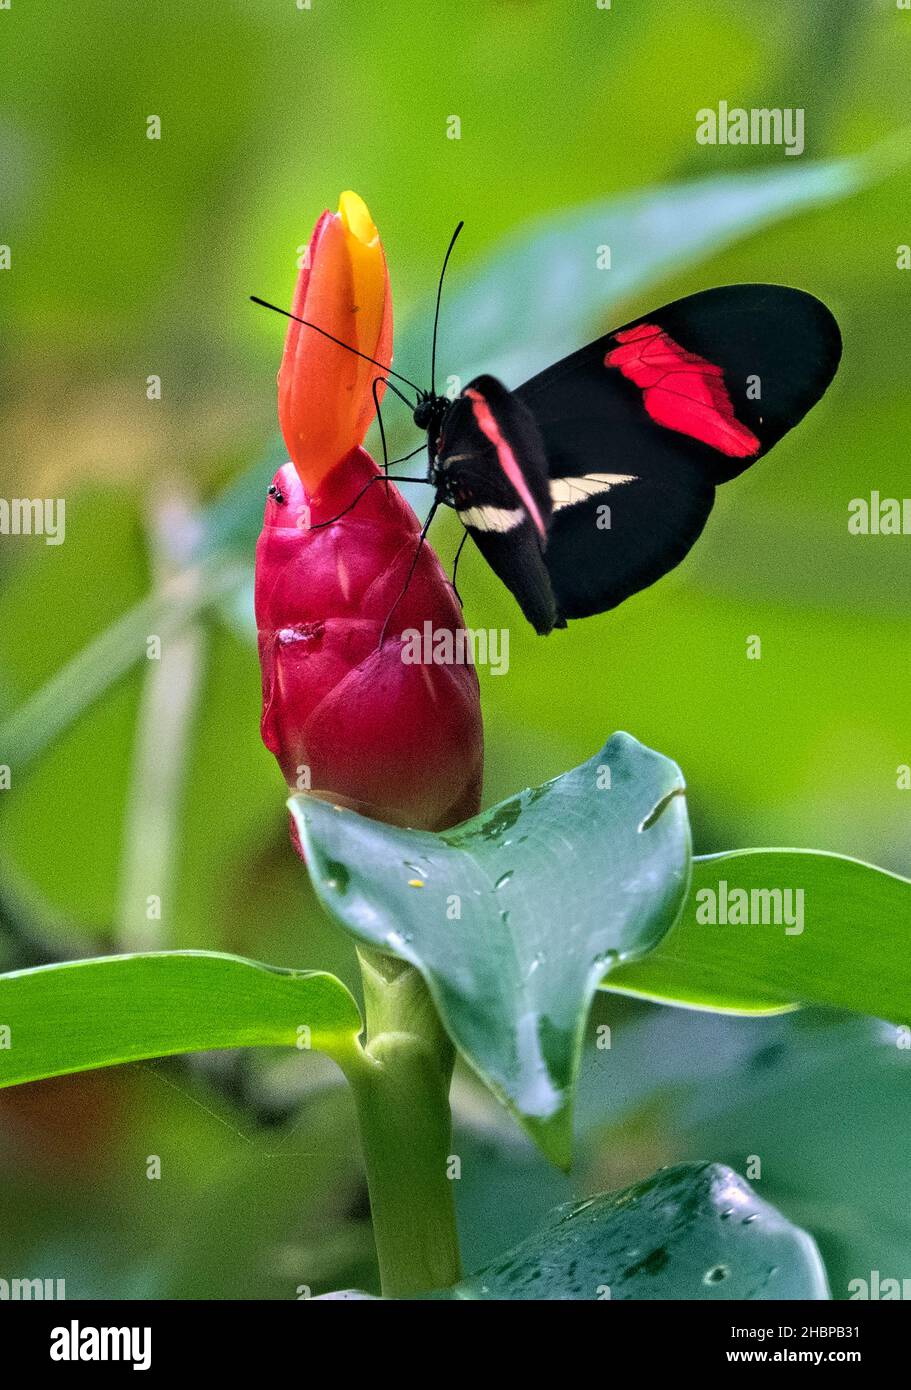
(355, 217)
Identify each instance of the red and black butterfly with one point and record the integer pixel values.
(594, 478)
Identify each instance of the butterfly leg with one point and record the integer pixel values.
(388, 463)
(411, 569)
(379, 478)
(379, 415)
(455, 569)
(379, 420)
(318, 525)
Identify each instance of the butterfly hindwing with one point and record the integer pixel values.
(641, 425)
(491, 457)
(601, 551)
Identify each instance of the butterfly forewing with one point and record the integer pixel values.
(641, 425)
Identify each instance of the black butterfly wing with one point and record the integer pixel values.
(608, 547)
(641, 425)
(494, 467)
(518, 561)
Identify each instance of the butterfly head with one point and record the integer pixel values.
(423, 412)
(429, 414)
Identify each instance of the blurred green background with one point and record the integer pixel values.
(133, 257)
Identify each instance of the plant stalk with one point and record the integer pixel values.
(401, 1091)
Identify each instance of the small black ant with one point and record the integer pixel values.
(277, 495)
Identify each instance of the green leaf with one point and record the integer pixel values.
(541, 293)
(514, 917)
(96, 1013)
(696, 1231)
(813, 1084)
(852, 952)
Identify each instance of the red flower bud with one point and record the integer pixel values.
(349, 719)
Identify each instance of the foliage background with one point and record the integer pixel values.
(133, 257)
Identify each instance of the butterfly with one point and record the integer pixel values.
(593, 479)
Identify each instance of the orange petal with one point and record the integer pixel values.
(325, 398)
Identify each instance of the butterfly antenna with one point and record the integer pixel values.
(436, 317)
(347, 346)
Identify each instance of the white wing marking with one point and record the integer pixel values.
(564, 492)
(493, 518)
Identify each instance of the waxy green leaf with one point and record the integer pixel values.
(821, 929)
(514, 917)
(696, 1231)
(543, 290)
(96, 1013)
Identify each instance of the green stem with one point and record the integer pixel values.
(168, 705)
(401, 1091)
